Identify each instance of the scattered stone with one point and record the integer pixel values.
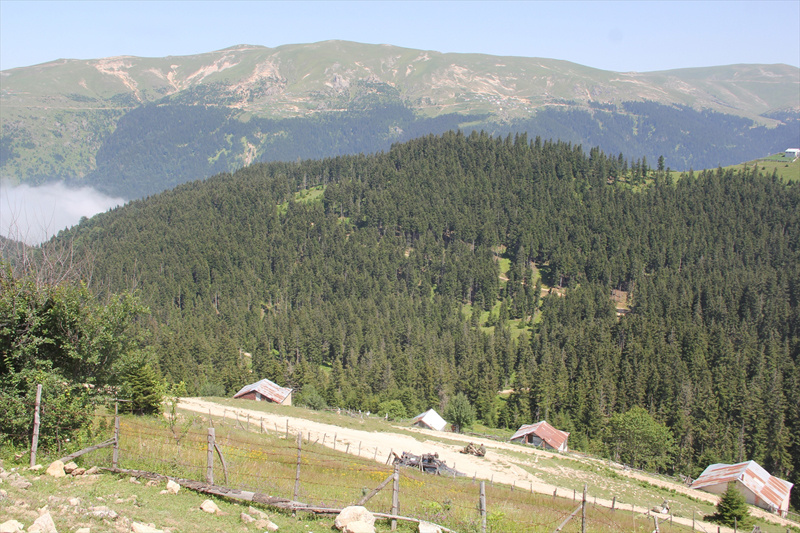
(101, 511)
(74, 501)
(78, 472)
(209, 507)
(93, 470)
(11, 526)
(271, 526)
(252, 511)
(134, 480)
(56, 469)
(70, 466)
(137, 527)
(36, 468)
(246, 518)
(351, 515)
(21, 483)
(173, 487)
(43, 524)
(427, 527)
(261, 523)
(151, 483)
(83, 530)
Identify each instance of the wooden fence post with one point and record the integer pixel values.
(482, 506)
(583, 510)
(395, 494)
(210, 457)
(334, 442)
(35, 438)
(115, 453)
(211, 420)
(287, 429)
(613, 503)
(297, 473)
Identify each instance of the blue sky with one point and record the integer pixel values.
(621, 36)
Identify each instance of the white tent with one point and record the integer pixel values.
(430, 419)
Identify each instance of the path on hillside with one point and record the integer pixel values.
(496, 466)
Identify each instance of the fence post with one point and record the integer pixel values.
(657, 530)
(395, 494)
(210, 457)
(583, 510)
(334, 442)
(211, 420)
(482, 506)
(613, 503)
(297, 473)
(35, 438)
(287, 429)
(115, 454)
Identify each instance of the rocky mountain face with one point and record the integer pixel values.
(57, 115)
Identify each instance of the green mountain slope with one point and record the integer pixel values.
(379, 288)
(57, 116)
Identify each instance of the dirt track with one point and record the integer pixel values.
(497, 466)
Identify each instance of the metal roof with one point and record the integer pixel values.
(268, 389)
(769, 488)
(555, 438)
(431, 419)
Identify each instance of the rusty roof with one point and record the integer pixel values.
(267, 389)
(769, 488)
(555, 438)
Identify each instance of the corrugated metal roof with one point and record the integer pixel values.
(430, 418)
(555, 438)
(767, 487)
(266, 388)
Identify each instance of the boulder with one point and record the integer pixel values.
(354, 513)
(69, 467)
(56, 469)
(43, 524)
(271, 526)
(11, 526)
(246, 518)
(358, 527)
(252, 511)
(21, 483)
(209, 507)
(427, 527)
(78, 472)
(92, 471)
(83, 530)
(173, 487)
(138, 527)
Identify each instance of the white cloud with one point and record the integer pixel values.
(34, 214)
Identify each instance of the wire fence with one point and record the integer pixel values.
(320, 473)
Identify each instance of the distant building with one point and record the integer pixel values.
(792, 152)
(756, 484)
(543, 435)
(430, 419)
(267, 391)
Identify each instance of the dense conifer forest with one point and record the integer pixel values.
(358, 280)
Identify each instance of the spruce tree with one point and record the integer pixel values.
(731, 509)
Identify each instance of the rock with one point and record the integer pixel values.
(209, 507)
(11, 526)
(354, 513)
(83, 530)
(173, 487)
(74, 502)
(137, 527)
(43, 524)
(3, 494)
(56, 469)
(271, 526)
(69, 467)
(21, 483)
(261, 523)
(252, 511)
(36, 468)
(134, 480)
(358, 527)
(93, 470)
(101, 511)
(427, 527)
(246, 518)
(78, 472)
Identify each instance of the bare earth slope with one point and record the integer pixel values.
(504, 462)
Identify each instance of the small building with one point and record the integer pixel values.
(792, 152)
(267, 391)
(430, 419)
(756, 484)
(543, 435)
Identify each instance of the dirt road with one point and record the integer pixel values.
(498, 466)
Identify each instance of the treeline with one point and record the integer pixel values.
(375, 291)
(158, 146)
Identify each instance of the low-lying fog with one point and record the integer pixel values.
(34, 214)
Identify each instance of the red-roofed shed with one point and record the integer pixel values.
(267, 391)
(758, 486)
(542, 434)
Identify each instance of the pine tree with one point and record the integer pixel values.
(731, 509)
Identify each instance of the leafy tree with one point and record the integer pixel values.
(393, 408)
(732, 508)
(637, 439)
(460, 412)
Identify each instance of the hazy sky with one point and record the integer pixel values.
(622, 36)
